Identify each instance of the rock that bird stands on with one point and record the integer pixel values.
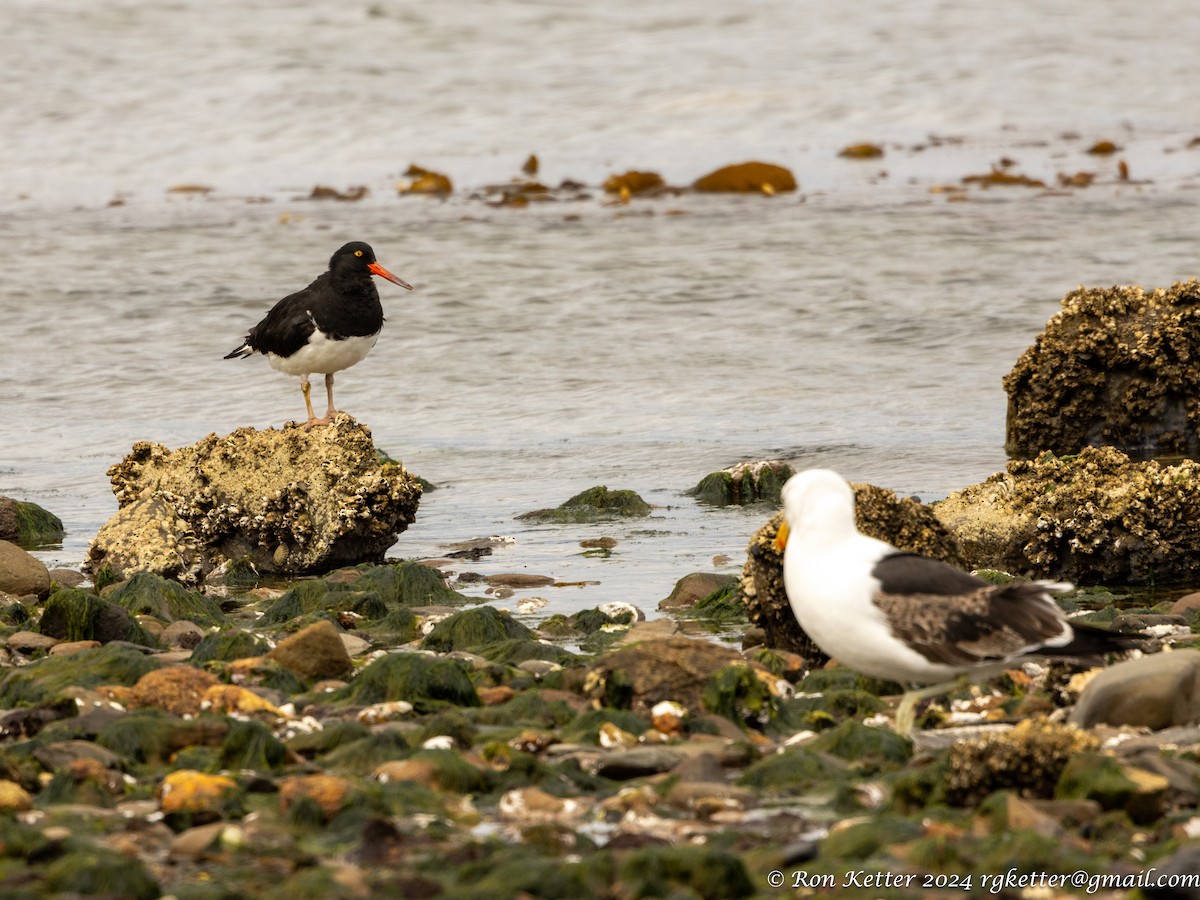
(293, 501)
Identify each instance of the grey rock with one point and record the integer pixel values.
(691, 589)
(623, 765)
(1154, 692)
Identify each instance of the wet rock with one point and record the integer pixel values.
(1156, 691)
(691, 589)
(48, 678)
(200, 843)
(14, 798)
(1093, 518)
(186, 791)
(291, 500)
(1177, 872)
(747, 482)
(637, 762)
(231, 698)
(593, 505)
(526, 805)
(640, 675)
(314, 652)
(75, 615)
(67, 648)
(329, 793)
(1095, 776)
(748, 177)
(443, 770)
(182, 635)
(1188, 603)
(22, 573)
(475, 628)
(904, 522)
(795, 770)
(427, 682)
(28, 525)
(99, 872)
(66, 578)
(176, 689)
(669, 717)
(30, 642)
(227, 645)
(149, 594)
(1115, 366)
(1028, 759)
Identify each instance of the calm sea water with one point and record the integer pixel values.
(863, 323)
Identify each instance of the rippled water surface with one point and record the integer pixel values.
(863, 323)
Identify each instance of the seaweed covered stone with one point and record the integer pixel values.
(27, 524)
(596, 504)
(746, 482)
(1094, 518)
(1115, 366)
(903, 521)
(290, 500)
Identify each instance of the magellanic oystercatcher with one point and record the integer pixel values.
(908, 618)
(329, 326)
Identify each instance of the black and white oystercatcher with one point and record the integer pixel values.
(329, 326)
(908, 618)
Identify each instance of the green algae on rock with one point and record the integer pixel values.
(28, 525)
(48, 678)
(902, 521)
(293, 501)
(72, 614)
(747, 482)
(149, 594)
(474, 628)
(596, 504)
(427, 682)
(1115, 366)
(1094, 518)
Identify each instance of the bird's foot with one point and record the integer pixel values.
(313, 423)
(326, 419)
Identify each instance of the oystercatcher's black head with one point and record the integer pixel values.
(358, 257)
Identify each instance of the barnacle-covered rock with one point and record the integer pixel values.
(1028, 759)
(1095, 518)
(292, 501)
(1115, 366)
(903, 521)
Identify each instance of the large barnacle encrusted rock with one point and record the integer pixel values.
(903, 521)
(1094, 518)
(292, 501)
(1116, 367)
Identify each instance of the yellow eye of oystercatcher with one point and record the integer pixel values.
(358, 253)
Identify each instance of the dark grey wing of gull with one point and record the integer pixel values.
(956, 619)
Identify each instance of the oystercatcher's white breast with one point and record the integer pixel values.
(323, 355)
